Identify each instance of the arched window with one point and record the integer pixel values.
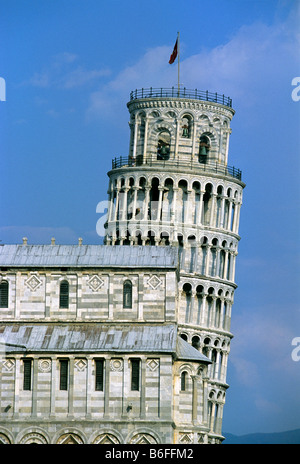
(196, 342)
(183, 381)
(27, 364)
(64, 294)
(163, 146)
(4, 294)
(186, 124)
(184, 337)
(135, 374)
(204, 149)
(127, 294)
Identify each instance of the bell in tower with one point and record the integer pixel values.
(204, 149)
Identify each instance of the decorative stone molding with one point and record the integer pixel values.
(44, 365)
(153, 364)
(33, 282)
(95, 283)
(143, 439)
(33, 438)
(154, 282)
(186, 437)
(116, 365)
(69, 439)
(106, 439)
(8, 365)
(80, 364)
(4, 440)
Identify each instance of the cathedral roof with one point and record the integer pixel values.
(96, 338)
(88, 337)
(186, 352)
(87, 256)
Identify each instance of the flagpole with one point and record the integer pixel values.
(178, 48)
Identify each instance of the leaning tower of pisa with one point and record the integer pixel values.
(176, 189)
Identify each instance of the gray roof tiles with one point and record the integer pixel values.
(87, 256)
(97, 338)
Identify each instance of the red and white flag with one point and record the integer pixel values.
(174, 53)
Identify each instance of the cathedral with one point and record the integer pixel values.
(128, 342)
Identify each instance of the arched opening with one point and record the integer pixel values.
(127, 294)
(140, 200)
(204, 148)
(199, 297)
(213, 253)
(164, 239)
(207, 199)
(150, 238)
(209, 304)
(186, 126)
(138, 237)
(168, 194)
(4, 294)
(219, 206)
(163, 145)
(218, 313)
(193, 251)
(187, 291)
(126, 240)
(205, 349)
(196, 342)
(183, 381)
(182, 200)
(196, 203)
(154, 199)
(64, 294)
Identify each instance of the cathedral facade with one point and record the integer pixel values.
(128, 342)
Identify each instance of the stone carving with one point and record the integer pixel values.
(106, 439)
(44, 365)
(186, 437)
(33, 438)
(95, 282)
(33, 282)
(80, 364)
(143, 439)
(154, 282)
(8, 365)
(153, 364)
(116, 365)
(4, 440)
(69, 439)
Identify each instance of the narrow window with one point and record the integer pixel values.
(163, 146)
(183, 381)
(63, 380)
(4, 294)
(99, 364)
(135, 374)
(204, 149)
(64, 294)
(27, 363)
(127, 294)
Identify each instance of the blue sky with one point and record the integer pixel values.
(69, 67)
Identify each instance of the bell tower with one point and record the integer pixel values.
(175, 188)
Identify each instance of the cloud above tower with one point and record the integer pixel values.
(251, 64)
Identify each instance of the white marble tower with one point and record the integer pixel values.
(176, 189)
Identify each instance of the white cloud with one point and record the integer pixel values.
(248, 65)
(262, 343)
(64, 72)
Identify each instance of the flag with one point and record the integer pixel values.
(174, 53)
